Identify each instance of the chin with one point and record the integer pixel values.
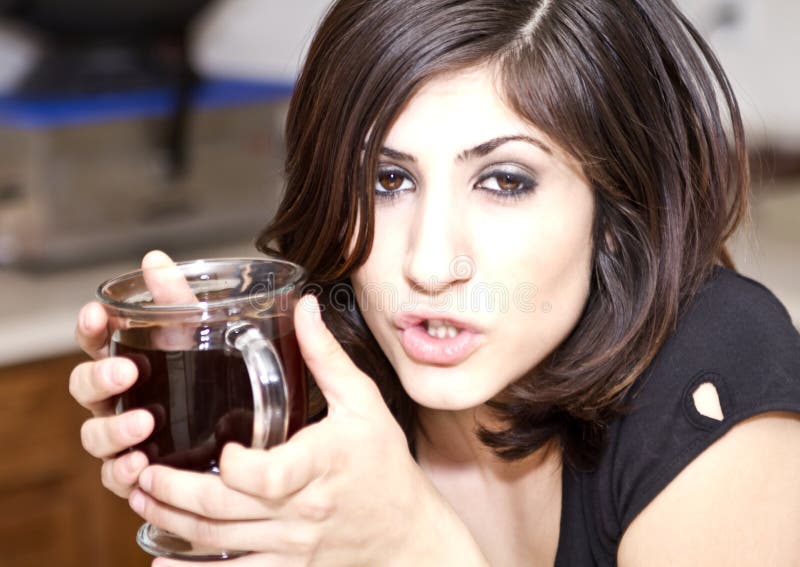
(444, 389)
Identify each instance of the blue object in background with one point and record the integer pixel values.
(65, 111)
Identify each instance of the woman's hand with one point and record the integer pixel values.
(94, 385)
(344, 491)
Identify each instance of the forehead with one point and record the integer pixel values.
(465, 105)
(464, 109)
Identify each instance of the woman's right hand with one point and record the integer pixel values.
(96, 384)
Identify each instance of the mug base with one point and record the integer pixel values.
(161, 543)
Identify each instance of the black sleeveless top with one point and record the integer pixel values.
(734, 334)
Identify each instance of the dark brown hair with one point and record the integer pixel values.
(626, 87)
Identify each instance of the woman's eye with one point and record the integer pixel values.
(393, 180)
(506, 182)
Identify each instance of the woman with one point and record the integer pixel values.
(515, 213)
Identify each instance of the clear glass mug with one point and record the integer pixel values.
(218, 361)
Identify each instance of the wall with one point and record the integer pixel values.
(756, 40)
(758, 44)
(256, 38)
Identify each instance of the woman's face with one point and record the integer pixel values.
(481, 261)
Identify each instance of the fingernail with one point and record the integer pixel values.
(107, 371)
(84, 319)
(122, 374)
(146, 480)
(136, 501)
(137, 424)
(88, 318)
(311, 304)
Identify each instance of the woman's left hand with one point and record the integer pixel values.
(344, 491)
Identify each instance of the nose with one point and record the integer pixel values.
(438, 252)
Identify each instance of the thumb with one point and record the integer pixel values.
(340, 380)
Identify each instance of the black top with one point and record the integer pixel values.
(736, 335)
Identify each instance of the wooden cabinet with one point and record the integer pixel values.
(55, 511)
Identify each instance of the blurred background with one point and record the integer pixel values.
(127, 126)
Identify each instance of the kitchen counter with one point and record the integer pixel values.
(38, 311)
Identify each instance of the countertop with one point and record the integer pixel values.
(38, 311)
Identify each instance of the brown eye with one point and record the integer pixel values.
(509, 182)
(391, 180)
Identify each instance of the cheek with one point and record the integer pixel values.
(383, 268)
(375, 293)
(565, 289)
(377, 268)
(547, 272)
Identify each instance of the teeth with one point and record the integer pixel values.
(441, 330)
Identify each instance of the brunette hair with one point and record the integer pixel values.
(626, 87)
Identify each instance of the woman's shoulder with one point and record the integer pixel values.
(729, 311)
(735, 335)
(736, 343)
(729, 376)
(734, 346)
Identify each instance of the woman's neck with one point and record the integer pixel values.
(449, 439)
(513, 509)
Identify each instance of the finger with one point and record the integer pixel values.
(205, 495)
(104, 437)
(339, 379)
(172, 338)
(165, 281)
(120, 475)
(279, 472)
(259, 535)
(91, 331)
(168, 286)
(93, 384)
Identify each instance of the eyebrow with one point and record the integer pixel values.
(478, 151)
(399, 156)
(486, 148)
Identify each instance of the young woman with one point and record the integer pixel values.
(535, 350)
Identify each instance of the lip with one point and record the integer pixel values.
(405, 321)
(423, 348)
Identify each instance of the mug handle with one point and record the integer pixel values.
(268, 381)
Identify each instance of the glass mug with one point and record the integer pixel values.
(218, 361)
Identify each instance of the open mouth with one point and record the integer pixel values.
(441, 329)
(436, 341)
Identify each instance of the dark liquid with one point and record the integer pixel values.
(202, 399)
